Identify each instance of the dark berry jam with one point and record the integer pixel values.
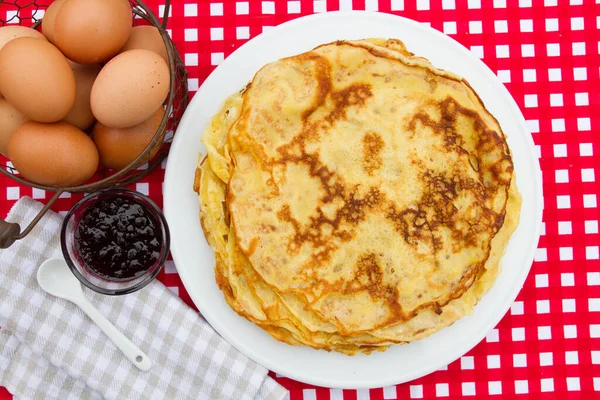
(118, 238)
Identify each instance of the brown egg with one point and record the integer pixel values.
(81, 114)
(130, 88)
(8, 33)
(55, 154)
(37, 79)
(50, 18)
(10, 120)
(146, 37)
(92, 31)
(119, 147)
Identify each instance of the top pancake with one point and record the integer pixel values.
(369, 183)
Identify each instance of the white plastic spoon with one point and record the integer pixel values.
(55, 277)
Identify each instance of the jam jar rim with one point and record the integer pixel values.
(147, 279)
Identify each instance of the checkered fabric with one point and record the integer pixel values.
(547, 54)
(50, 349)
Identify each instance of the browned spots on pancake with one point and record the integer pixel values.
(435, 207)
(438, 205)
(499, 221)
(438, 198)
(501, 170)
(446, 126)
(322, 69)
(372, 146)
(435, 212)
(295, 152)
(344, 235)
(285, 214)
(368, 277)
(411, 224)
(494, 171)
(311, 234)
(368, 273)
(353, 211)
(334, 186)
(489, 142)
(354, 208)
(355, 94)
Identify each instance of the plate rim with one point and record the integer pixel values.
(351, 382)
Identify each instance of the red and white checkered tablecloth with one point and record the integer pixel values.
(547, 54)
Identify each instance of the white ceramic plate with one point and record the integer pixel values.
(195, 260)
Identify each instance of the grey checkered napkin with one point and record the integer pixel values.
(50, 350)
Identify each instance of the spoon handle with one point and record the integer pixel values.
(130, 350)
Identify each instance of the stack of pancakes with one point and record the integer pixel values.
(355, 197)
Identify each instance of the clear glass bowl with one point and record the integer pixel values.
(85, 273)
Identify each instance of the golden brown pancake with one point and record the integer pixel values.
(356, 197)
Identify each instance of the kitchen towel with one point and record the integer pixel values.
(49, 349)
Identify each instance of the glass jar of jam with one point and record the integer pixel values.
(115, 241)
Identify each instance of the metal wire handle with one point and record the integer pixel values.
(10, 232)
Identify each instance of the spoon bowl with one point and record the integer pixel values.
(55, 277)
